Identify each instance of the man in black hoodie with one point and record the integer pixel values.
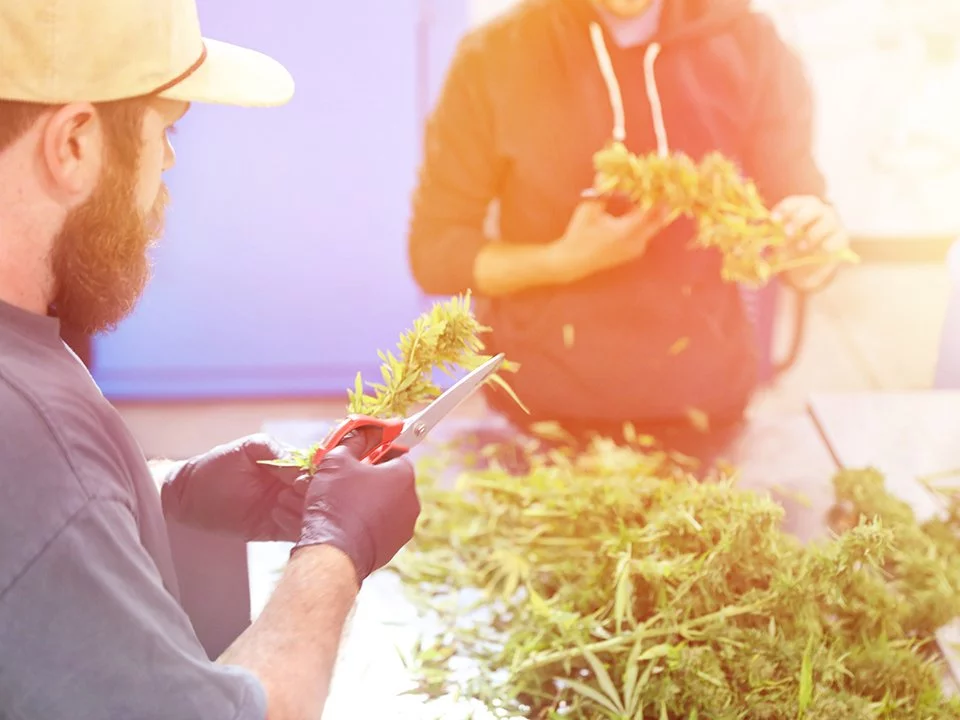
(613, 319)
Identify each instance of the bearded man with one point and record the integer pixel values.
(90, 624)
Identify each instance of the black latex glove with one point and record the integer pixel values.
(227, 490)
(367, 511)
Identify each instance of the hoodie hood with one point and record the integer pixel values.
(689, 19)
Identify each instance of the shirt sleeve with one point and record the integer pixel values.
(459, 177)
(88, 632)
(781, 158)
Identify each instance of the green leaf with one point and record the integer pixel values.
(603, 679)
(538, 604)
(592, 694)
(623, 594)
(806, 679)
(281, 463)
(656, 652)
(631, 690)
(497, 380)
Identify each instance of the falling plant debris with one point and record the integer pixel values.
(612, 584)
(698, 419)
(632, 439)
(679, 345)
(446, 338)
(730, 213)
(568, 336)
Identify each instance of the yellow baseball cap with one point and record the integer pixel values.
(60, 51)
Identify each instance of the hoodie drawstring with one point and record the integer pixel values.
(616, 99)
(610, 78)
(653, 95)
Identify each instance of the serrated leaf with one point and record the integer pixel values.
(590, 693)
(805, 693)
(623, 592)
(631, 690)
(603, 679)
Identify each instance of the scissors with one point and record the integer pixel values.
(403, 434)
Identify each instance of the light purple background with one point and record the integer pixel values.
(284, 265)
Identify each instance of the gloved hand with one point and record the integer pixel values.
(368, 512)
(227, 490)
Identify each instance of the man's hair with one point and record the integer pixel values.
(121, 118)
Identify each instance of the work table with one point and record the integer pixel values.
(792, 456)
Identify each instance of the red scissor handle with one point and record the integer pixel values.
(390, 429)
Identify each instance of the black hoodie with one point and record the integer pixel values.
(522, 111)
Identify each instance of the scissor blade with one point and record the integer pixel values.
(423, 422)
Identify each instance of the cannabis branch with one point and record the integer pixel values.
(730, 214)
(446, 338)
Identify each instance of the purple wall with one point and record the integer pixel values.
(284, 265)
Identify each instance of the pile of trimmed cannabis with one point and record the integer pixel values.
(730, 214)
(611, 584)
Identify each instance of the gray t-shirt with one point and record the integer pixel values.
(90, 623)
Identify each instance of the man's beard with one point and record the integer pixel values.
(100, 257)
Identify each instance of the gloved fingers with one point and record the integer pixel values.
(392, 454)
(401, 467)
(287, 514)
(286, 475)
(395, 464)
(289, 524)
(261, 447)
(359, 442)
(292, 499)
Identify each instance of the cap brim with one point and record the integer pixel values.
(232, 75)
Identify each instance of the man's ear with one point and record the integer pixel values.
(72, 149)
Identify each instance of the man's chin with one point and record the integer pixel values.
(626, 11)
